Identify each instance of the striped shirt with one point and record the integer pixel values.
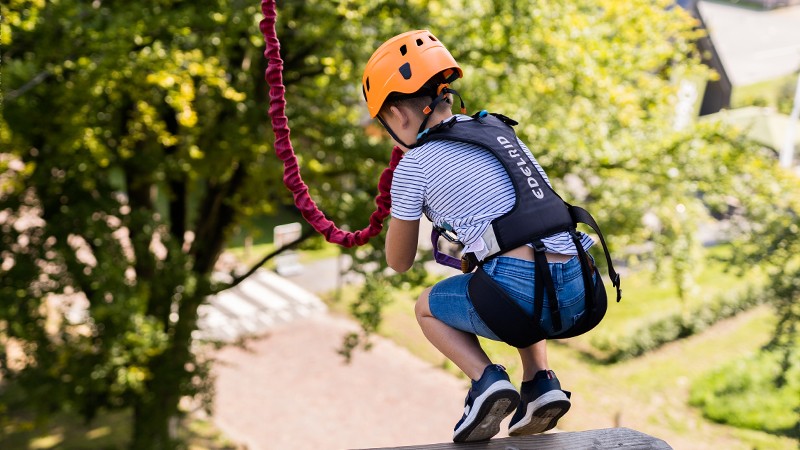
(465, 186)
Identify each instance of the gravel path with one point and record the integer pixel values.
(291, 390)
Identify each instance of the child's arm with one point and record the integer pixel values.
(401, 243)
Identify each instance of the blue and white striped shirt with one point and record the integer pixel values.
(464, 186)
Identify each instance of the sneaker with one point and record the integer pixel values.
(542, 403)
(488, 402)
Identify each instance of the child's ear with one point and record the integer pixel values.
(401, 115)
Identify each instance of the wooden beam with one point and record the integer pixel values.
(606, 439)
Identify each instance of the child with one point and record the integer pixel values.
(462, 187)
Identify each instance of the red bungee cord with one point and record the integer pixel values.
(284, 150)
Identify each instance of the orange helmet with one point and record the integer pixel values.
(403, 64)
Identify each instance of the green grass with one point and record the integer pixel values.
(65, 431)
(260, 229)
(21, 429)
(646, 299)
(651, 309)
(254, 240)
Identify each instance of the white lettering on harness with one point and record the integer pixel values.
(523, 165)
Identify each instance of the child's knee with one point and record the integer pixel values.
(422, 307)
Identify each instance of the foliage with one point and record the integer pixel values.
(744, 394)
(593, 85)
(644, 337)
(135, 141)
(765, 224)
(110, 430)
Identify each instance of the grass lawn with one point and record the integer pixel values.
(21, 430)
(646, 301)
(110, 430)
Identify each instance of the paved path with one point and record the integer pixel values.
(291, 390)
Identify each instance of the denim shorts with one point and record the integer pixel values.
(449, 299)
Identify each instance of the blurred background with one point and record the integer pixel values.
(138, 184)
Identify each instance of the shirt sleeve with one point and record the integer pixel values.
(408, 189)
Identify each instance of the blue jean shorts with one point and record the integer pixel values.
(449, 299)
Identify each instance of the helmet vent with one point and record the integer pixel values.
(405, 71)
(432, 38)
(367, 83)
(419, 42)
(403, 50)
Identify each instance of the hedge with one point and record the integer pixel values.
(651, 335)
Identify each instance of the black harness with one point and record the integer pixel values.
(538, 212)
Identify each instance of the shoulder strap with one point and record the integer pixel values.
(581, 215)
(537, 206)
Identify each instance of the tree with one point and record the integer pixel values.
(766, 232)
(134, 141)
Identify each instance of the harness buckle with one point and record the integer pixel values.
(468, 263)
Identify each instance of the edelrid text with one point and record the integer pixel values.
(523, 165)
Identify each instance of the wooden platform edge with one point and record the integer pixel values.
(608, 438)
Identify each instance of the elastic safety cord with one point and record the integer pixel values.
(284, 150)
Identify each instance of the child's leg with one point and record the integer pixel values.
(491, 397)
(534, 359)
(458, 346)
(542, 400)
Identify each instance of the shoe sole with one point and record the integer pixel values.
(488, 411)
(542, 414)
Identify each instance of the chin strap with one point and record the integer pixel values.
(441, 94)
(393, 135)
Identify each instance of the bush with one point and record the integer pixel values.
(748, 393)
(652, 335)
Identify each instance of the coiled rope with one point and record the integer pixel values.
(283, 148)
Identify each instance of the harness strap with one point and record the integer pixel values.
(586, 272)
(538, 294)
(440, 257)
(581, 215)
(544, 278)
(499, 312)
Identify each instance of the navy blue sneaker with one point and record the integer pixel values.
(542, 403)
(488, 402)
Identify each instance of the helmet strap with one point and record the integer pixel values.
(443, 90)
(393, 135)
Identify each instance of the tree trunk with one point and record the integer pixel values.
(151, 417)
(170, 381)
